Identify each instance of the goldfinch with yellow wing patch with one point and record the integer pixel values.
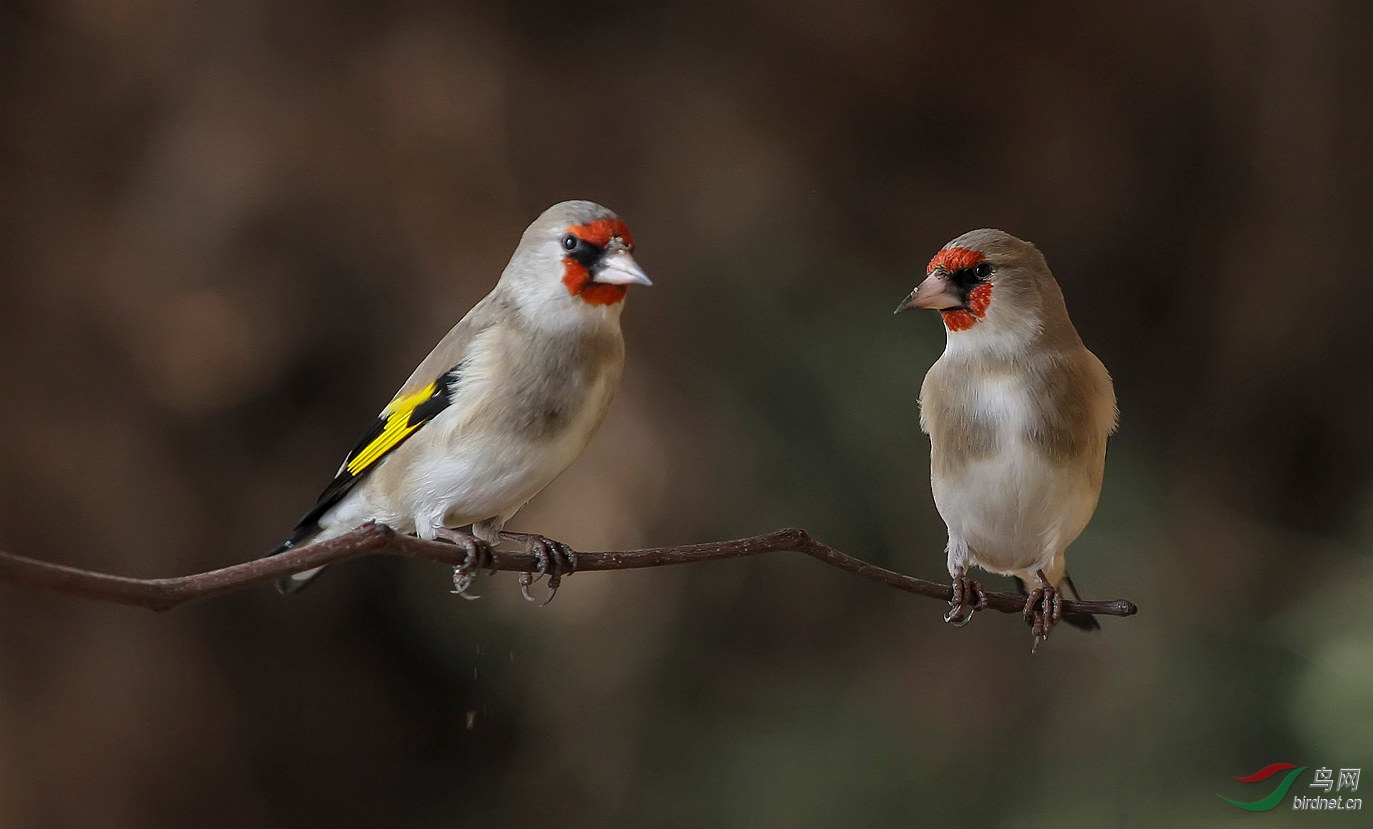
(503, 403)
(1018, 412)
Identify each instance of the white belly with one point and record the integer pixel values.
(1016, 509)
(487, 479)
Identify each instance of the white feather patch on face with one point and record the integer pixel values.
(998, 333)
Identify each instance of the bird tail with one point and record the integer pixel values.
(1081, 621)
(303, 534)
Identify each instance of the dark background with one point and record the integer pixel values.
(231, 228)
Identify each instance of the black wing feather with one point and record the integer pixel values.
(445, 391)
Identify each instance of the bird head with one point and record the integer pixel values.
(988, 281)
(576, 252)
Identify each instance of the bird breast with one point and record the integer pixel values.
(1060, 406)
(1017, 452)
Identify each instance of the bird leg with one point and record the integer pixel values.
(968, 598)
(478, 555)
(555, 559)
(1043, 610)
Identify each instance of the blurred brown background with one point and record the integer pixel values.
(231, 228)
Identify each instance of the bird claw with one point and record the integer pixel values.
(527, 580)
(462, 582)
(477, 554)
(968, 598)
(1043, 610)
(554, 559)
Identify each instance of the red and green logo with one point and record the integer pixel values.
(1277, 795)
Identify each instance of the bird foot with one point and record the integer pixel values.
(555, 560)
(968, 598)
(1043, 610)
(478, 555)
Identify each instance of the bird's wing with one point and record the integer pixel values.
(431, 388)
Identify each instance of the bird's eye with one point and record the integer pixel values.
(570, 242)
(983, 270)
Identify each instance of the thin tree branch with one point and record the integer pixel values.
(375, 539)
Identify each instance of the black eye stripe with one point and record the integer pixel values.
(965, 279)
(580, 250)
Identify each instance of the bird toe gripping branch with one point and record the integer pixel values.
(1043, 610)
(553, 559)
(477, 554)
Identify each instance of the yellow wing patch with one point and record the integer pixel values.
(399, 426)
(397, 422)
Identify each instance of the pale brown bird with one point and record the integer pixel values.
(506, 400)
(1018, 412)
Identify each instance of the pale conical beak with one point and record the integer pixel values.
(935, 292)
(618, 267)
